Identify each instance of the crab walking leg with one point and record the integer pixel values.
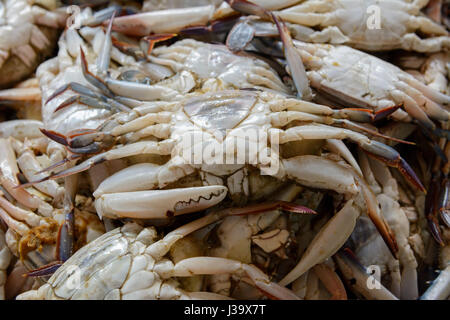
(440, 289)
(428, 91)
(140, 91)
(162, 21)
(20, 94)
(339, 147)
(104, 57)
(5, 259)
(29, 217)
(430, 107)
(21, 129)
(214, 265)
(294, 61)
(318, 172)
(159, 203)
(331, 281)
(160, 248)
(144, 147)
(17, 226)
(376, 149)
(327, 242)
(360, 280)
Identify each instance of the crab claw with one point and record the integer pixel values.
(153, 204)
(84, 141)
(392, 158)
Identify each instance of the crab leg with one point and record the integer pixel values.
(294, 62)
(29, 217)
(160, 248)
(30, 167)
(20, 129)
(163, 21)
(143, 147)
(105, 53)
(339, 147)
(21, 94)
(141, 91)
(19, 227)
(65, 241)
(331, 281)
(376, 149)
(327, 242)
(358, 278)
(432, 208)
(440, 289)
(318, 172)
(214, 265)
(427, 90)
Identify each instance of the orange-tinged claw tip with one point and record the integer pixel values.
(383, 113)
(155, 38)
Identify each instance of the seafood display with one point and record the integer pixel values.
(230, 149)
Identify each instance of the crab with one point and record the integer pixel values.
(130, 263)
(35, 33)
(367, 25)
(170, 73)
(380, 85)
(38, 232)
(331, 70)
(221, 123)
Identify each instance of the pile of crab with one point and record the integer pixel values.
(224, 149)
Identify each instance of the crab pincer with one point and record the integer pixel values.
(393, 159)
